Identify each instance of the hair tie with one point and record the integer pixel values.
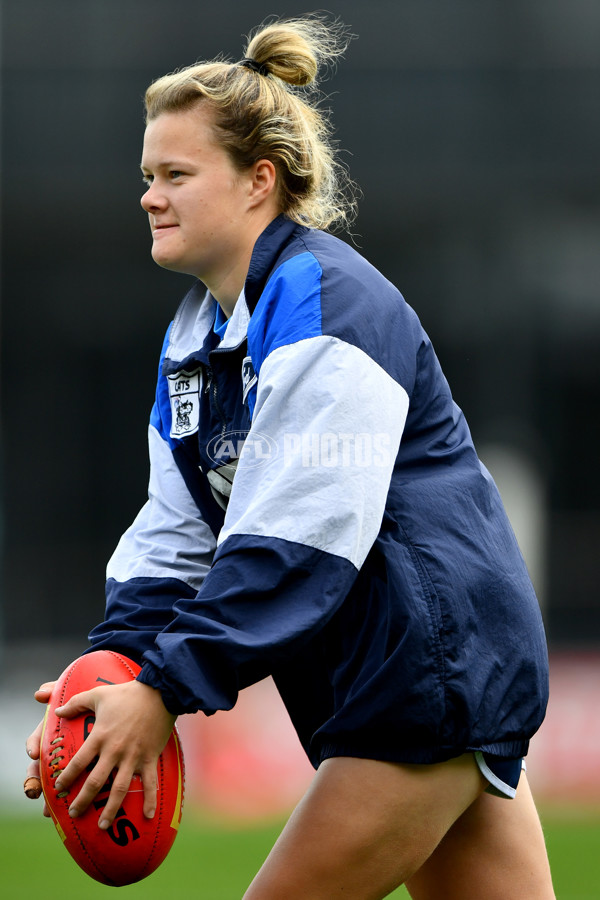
(248, 63)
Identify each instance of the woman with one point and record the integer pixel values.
(316, 512)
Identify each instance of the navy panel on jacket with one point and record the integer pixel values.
(257, 608)
(436, 646)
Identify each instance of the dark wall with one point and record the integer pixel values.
(473, 130)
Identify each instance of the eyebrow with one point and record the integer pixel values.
(168, 164)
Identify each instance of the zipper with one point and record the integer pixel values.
(211, 389)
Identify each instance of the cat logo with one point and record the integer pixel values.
(184, 394)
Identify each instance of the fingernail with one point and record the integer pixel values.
(58, 784)
(104, 824)
(59, 710)
(29, 752)
(73, 812)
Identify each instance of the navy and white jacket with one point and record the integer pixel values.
(317, 512)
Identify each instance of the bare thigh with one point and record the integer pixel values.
(494, 850)
(364, 827)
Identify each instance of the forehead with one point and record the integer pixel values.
(171, 135)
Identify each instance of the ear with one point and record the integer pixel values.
(263, 182)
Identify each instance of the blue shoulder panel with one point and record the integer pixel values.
(289, 309)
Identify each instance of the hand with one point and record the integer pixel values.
(32, 745)
(130, 732)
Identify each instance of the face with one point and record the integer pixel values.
(204, 215)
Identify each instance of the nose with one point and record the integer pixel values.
(152, 199)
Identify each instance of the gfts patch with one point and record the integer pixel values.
(184, 394)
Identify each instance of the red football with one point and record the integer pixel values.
(133, 846)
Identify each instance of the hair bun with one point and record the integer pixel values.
(294, 49)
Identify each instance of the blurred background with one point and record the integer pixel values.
(473, 129)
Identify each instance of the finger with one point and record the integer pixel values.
(150, 785)
(77, 704)
(32, 785)
(32, 782)
(32, 744)
(42, 695)
(118, 791)
(33, 770)
(84, 758)
(97, 781)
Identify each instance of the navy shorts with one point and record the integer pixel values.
(503, 774)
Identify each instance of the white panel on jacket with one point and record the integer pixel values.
(168, 539)
(317, 463)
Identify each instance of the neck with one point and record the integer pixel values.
(227, 289)
(227, 293)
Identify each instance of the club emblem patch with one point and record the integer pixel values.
(184, 393)
(249, 377)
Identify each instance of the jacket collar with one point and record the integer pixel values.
(190, 338)
(266, 251)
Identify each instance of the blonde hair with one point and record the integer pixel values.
(267, 107)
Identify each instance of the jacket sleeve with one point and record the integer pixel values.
(164, 555)
(306, 506)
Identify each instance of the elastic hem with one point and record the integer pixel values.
(501, 773)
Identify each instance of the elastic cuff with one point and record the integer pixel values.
(151, 676)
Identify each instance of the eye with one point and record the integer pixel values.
(174, 174)
(147, 179)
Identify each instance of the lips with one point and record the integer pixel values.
(163, 228)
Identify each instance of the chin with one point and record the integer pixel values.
(173, 265)
(165, 261)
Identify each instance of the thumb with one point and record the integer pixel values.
(42, 695)
(77, 704)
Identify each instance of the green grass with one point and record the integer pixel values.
(211, 861)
